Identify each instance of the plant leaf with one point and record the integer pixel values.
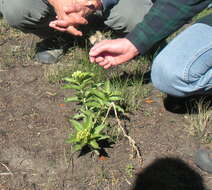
(77, 147)
(119, 108)
(104, 137)
(72, 99)
(116, 93)
(71, 80)
(114, 98)
(89, 113)
(88, 122)
(99, 128)
(93, 104)
(72, 140)
(98, 93)
(107, 86)
(77, 125)
(99, 137)
(94, 144)
(95, 136)
(86, 83)
(78, 116)
(71, 86)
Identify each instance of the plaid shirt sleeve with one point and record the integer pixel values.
(164, 18)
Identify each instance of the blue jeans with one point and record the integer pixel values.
(184, 66)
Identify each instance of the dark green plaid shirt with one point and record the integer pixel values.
(164, 18)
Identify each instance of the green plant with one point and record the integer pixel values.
(90, 94)
(87, 133)
(81, 82)
(95, 99)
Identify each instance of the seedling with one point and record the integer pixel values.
(87, 133)
(95, 99)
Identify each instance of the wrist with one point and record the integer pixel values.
(131, 47)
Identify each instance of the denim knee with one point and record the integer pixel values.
(182, 82)
(165, 78)
(184, 66)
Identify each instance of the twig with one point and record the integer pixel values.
(4, 174)
(129, 183)
(45, 130)
(108, 111)
(8, 173)
(131, 140)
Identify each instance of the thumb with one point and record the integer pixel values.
(72, 30)
(61, 23)
(100, 48)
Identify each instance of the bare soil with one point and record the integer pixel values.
(34, 126)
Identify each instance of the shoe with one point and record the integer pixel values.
(49, 56)
(49, 51)
(203, 159)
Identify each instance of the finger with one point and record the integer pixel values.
(61, 23)
(99, 48)
(99, 59)
(71, 20)
(107, 66)
(54, 25)
(72, 30)
(99, 44)
(61, 29)
(79, 20)
(103, 63)
(92, 59)
(121, 59)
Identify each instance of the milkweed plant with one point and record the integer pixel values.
(95, 100)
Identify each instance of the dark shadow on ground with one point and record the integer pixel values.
(104, 144)
(187, 104)
(169, 174)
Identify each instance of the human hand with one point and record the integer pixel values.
(59, 5)
(70, 23)
(108, 53)
(74, 16)
(69, 19)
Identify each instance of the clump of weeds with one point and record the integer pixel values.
(200, 124)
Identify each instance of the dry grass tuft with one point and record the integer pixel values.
(200, 124)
